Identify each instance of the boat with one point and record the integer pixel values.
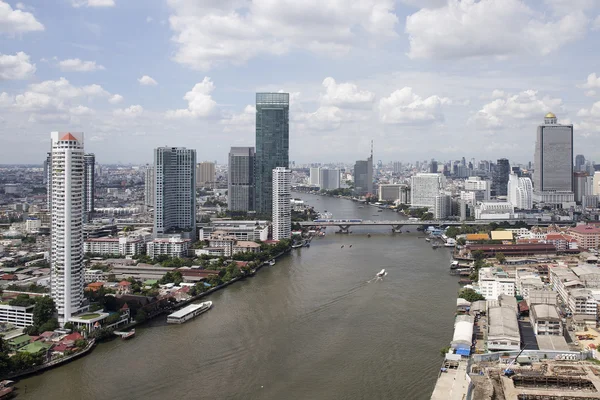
(381, 273)
(454, 265)
(272, 262)
(7, 389)
(427, 240)
(435, 246)
(297, 245)
(128, 335)
(368, 235)
(449, 244)
(307, 244)
(189, 312)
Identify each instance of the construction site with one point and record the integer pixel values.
(540, 380)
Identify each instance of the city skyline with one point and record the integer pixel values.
(380, 77)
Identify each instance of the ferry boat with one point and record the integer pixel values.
(297, 245)
(128, 335)
(272, 262)
(189, 312)
(454, 265)
(427, 240)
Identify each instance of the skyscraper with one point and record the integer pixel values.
(149, 186)
(520, 192)
(314, 176)
(433, 167)
(205, 174)
(282, 209)
(67, 271)
(500, 177)
(329, 179)
(579, 163)
(240, 179)
(425, 188)
(553, 176)
(48, 180)
(272, 144)
(175, 192)
(89, 161)
(363, 175)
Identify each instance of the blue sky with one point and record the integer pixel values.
(423, 78)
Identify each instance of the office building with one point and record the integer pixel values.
(579, 163)
(205, 174)
(329, 179)
(582, 186)
(175, 192)
(67, 270)
(520, 192)
(89, 161)
(240, 179)
(390, 192)
(272, 145)
(443, 206)
(480, 189)
(500, 177)
(282, 209)
(397, 167)
(314, 176)
(424, 188)
(363, 176)
(553, 176)
(149, 186)
(433, 167)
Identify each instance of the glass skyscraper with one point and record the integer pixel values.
(240, 182)
(272, 145)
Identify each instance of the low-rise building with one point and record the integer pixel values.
(494, 282)
(140, 271)
(503, 329)
(172, 247)
(587, 236)
(545, 320)
(124, 246)
(582, 301)
(463, 332)
(16, 315)
(241, 230)
(93, 275)
(489, 210)
(527, 281)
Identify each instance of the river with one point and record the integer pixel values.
(309, 327)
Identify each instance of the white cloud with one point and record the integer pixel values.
(81, 110)
(470, 28)
(590, 93)
(93, 3)
(64, 90)
(15, 67)
(77, 65)
(115, 99)
(17, 21)
(232, 31)
(200, 102)
(129, 112)
(149, 19)
(593, 82)
(524, 105)
(405, 107)
(345, 94)
(147, 81)
(5, 99)
(596, 24)
(245, 119)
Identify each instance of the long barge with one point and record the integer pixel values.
(189, 312)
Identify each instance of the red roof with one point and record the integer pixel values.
(47, 334)
(73, 336)
(96, 284)
(586, 229)
(9, 277)
(124, 283)
(523, 306)
(125, 307)
(68, 136)
(61, 348)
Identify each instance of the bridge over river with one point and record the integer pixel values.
(346, 224)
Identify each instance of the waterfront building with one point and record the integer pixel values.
(123, 246)
(230, 245)
(272, 145)
(494, 283)
(463, 332)
(553, 176)
(205, 174)
(500, 177)
(149, 186)
(503, 329)
(240, 179)
(587, 236)
(48, 180)
(17, 316)
(494, 210)
(442, 207)
(424, 188)
(241, 230)
(390, 192)
(89, 172)
(66, 257)
(363, 176)
(520, 192)
(173, 247)
(175, 192)
(329, 179)
(282, 213)
(315, 176)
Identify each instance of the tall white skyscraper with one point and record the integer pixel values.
(89, 161)
(553, 175)
(424, 189)
(175, 192)
(520, 192)
(315, 176)
(67, 271)
(149, 186)
(282, 209)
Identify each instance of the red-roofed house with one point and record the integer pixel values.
(60, 349)
(587, 236)
(124, 287)
(73, 337)
(95, 286)
(9, 277)
(561, 241)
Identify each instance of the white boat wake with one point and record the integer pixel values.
(379, 276)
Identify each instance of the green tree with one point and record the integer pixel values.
(5, 364)
(470, 295)
(501, 258)
(50, 325)
(452, 231)
(141, 315)
(461, 241)
(43, 310)
(23, 360)
(478, 255)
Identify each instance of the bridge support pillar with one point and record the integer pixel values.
(344, 229)
(397, 228)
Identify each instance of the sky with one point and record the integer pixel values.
(424, 79)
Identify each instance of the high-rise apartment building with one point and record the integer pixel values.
(520, 192)
(175, 192)
(442, 206)
(272, 144)
(314, 176)
(66, 256)
(329, 179)
(89, 162)
(205, 174)
(425, 188)
(48, 180)
(149, 186)
(282, 209)
(240, 179)
(553, 176)
(582, 186)
(500, 177)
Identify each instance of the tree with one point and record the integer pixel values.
(478, 255)
(461, 241)
(23, 360)
(22, 300)
(452, 231)
(470, 295)
(43, 310)
(4, 359)
(501, 258)
(50, 325)
(141, 315)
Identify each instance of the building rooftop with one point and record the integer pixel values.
(552, 342)
(585, 229)
(502, 322)
(544, 311)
